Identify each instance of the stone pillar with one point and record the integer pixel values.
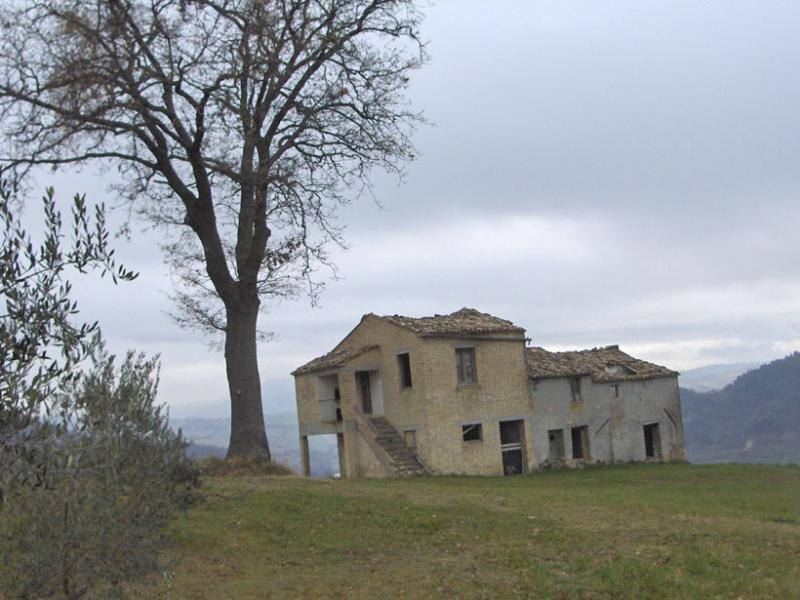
(304, 458)
(342, 457)
(352, 460)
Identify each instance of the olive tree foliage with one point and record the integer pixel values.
(113, 475)
(41, 348)
(89, 471)
(239, 125)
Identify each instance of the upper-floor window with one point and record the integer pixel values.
(615, 391)
(575, 388)
(465, 365)
(404, 367)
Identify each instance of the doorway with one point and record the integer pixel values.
(556, 438)
(365, 391)
(512, 437)
(652, 441)
(580, 443)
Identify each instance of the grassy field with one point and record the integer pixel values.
(667, 531)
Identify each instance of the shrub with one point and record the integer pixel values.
(112, 475)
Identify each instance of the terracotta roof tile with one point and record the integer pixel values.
(602, 364)
(466, 321)
(332, 360)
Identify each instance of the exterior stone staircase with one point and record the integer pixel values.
(402, 459)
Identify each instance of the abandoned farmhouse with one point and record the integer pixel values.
(464, 394)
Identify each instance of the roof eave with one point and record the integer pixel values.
(605, 379)
(302, 370)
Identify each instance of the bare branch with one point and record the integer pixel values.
(239, 125)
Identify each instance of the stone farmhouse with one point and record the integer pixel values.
(464, 394)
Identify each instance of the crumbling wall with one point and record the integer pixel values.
(616, 424)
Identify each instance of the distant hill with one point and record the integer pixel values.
(714, 377)
(201, 451)
(754, 419)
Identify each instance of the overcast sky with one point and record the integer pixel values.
(597, 172)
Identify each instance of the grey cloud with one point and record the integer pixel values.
(543, 106)
(659, 143)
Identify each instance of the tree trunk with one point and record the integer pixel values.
(248, 435)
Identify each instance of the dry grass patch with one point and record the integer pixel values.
(242, 467)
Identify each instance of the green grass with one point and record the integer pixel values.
(667, 531)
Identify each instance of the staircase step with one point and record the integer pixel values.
(402, 458)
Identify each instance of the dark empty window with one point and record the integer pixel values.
(473, 432)
(615, 391)
(575, 388)
(465, 365)
(404, 366)
(511, 432)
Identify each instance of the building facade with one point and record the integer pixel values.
(464, 394)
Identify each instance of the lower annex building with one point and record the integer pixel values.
(464, 394)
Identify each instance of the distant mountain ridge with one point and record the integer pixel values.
(714, 377)
(754, 419)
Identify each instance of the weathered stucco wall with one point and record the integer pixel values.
(615, 424)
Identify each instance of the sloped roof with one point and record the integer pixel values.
(466, 321)
(602, 364)
(332, 360)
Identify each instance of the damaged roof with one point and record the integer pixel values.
(604, 364)
(332, 360)
(466, 321)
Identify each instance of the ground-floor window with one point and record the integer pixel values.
(472, 432)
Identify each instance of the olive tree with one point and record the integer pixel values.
(41, 348)
(90, 473)
(238, 125)
(112, 475)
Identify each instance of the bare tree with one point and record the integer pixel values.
(240, 125)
